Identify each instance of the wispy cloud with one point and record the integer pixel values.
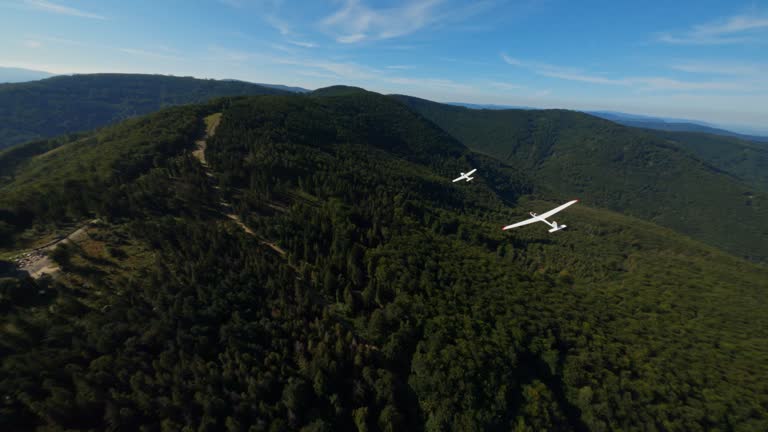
(732, 30)
(346, 70)
(721, 68)
(650, 83)
(356, 22)
(316, 74)
(518, 89)
(145, 53)
(232, 3)
(357, 37)
(401, 47)
(342, 71)
(56, 40)
(400, 67)
(529, 64)
(429, 83)
(226, 54)
(47, 6)
(506, 86)
(303, 44)
(281, 26)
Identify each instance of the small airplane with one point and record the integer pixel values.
(543, 218)
(465, 176)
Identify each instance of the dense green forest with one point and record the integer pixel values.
(746, 160)
(82, 174)
(628, 170)
(65, 104)
(393, 301)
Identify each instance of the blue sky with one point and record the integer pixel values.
(705, 60)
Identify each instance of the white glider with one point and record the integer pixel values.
(465, 176)
(543, 218)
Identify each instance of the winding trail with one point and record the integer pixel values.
(211, 123)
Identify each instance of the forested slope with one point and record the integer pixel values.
(399, 305)
(66, 104)
(745, 159)
(625, 169)
(63, 180)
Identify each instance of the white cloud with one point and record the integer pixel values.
(47, 6)
(733, 24)
(58, 40)
(720, 68)
(537, 65)
(662, 83)
(351, 38)
(232, 3)
(737, 29)
(431, 83)
(510, 60)
(356, 22)
(645, 83)
(303, 44)
(400, 67)
(593, 79)
(279, 25)
(506, 86)
(700, 40)
(345, 70)
(348, 72)
(315, 74)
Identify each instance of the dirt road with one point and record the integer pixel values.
(211, 123)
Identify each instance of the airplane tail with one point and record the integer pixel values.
(557, 227)
(470, 178)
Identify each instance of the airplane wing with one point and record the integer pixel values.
(557, 209)
(539, 218)
(471, 172)
(458, 178)
(519, 224)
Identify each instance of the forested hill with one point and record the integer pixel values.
(323, 273)
(632, 171)
(64, 104)
(745, 159)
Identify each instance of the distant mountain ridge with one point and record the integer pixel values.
(16, 75)
(637, 120)
(490, 106)
(671, 125)
(66, 104)
(292, 89)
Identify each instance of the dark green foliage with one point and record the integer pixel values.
(744, 159)
(621, 168)
(86, 175)
(338, 90)
(399, 305)
(65, 104)
(11, 158)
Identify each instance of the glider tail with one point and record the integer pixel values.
(556, 227)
